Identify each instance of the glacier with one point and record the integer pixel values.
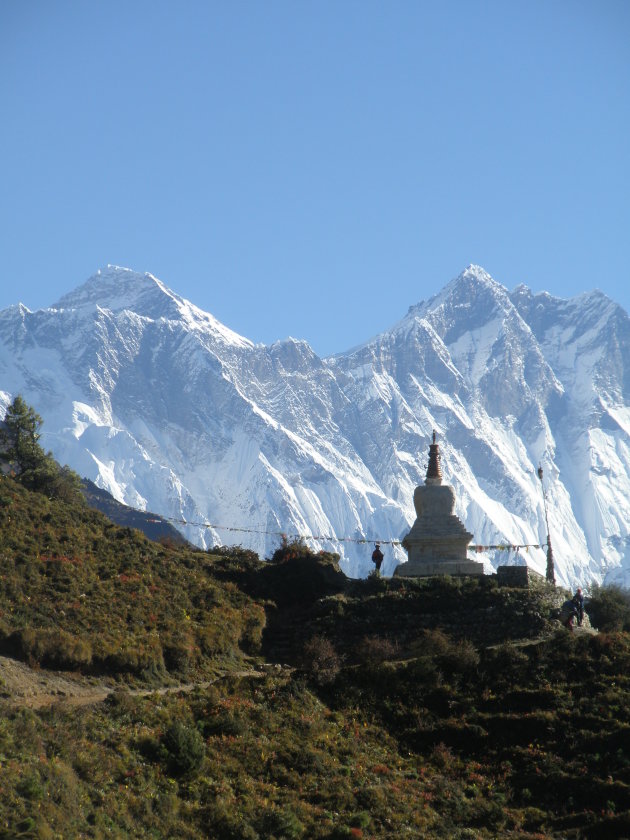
(169, 410)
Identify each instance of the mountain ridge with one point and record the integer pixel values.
(145, 395)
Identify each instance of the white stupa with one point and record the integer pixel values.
(438, 539)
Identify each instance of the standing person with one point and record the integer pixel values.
(573, 608)
(377, 557)
(568, 612)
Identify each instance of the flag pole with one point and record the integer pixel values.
(551, 575)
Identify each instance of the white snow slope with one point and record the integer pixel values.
(156, 401)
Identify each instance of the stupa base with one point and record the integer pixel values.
(416, 568)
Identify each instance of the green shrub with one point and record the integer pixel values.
(505, 658)
(121, 701)
(429, 643)
(373, 650)
(609, 608)
(254, 620)
(298, 575)
(321, 659)
(30, 787)
(459, 658)
(282, 824)
(185, 748)
(52, 648)
(227, 825)
(137, 656)
(225, 723)
(236, 552)
(291, 551)
(179, 652)
(361, 819)
(25, 827)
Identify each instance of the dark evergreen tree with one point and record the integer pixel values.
(19, 438)
(21, 452)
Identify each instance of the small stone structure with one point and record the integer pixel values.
(438, 539)
(519, 577)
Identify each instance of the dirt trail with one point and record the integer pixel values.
(521, 643)
(21, 685)
(35, 688)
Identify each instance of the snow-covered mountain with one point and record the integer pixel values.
(165, 407)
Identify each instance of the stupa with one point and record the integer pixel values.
(437, 542)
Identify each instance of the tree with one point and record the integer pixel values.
(32, 466)
(19, 438)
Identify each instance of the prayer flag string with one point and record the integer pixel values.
(333, 538)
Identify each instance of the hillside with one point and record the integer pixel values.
(298, 704)
(152, 525)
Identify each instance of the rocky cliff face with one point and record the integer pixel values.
(169, 410)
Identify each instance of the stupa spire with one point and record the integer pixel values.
(434, 470)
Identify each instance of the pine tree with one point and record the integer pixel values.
(19, 438)
(20, 450)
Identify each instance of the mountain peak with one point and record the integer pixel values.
(474, 276)
(462, 291)
(118, 289)
(473, 290)
(478, 272)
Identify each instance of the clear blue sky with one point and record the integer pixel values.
(314, 168)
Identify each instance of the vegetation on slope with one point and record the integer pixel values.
(366, 709)
(80, 593)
